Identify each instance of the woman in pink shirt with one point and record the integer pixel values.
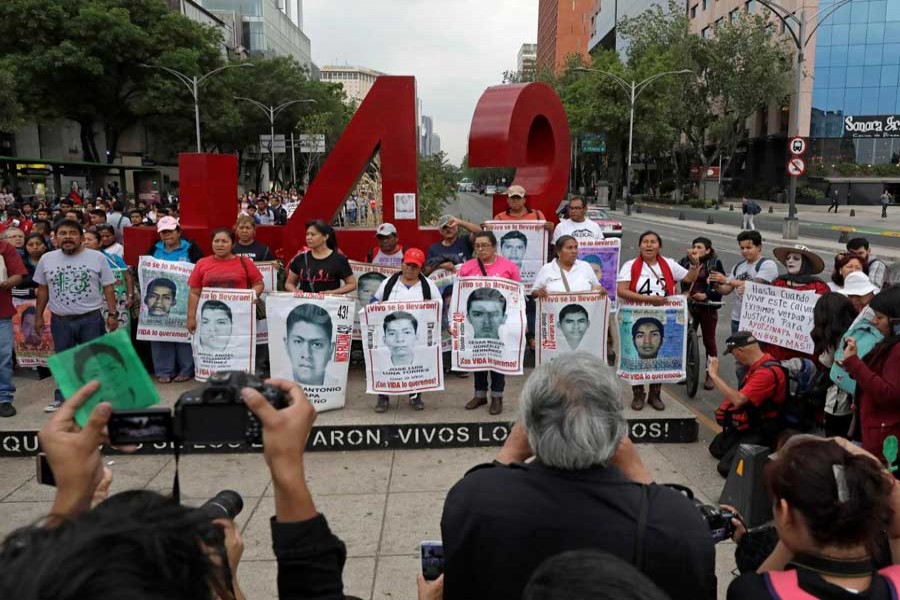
(487, 263)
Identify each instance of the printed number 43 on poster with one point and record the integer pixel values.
(402, 347)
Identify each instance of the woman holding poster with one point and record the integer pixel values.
(487, 263)
(566, 273)
(649, 279)
(401, 329)
(321, 269)
(170, 359)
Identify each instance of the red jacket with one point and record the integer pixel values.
(877, 395)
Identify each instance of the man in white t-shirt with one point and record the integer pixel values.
(577, 225)
(389, 252)
(753, 268)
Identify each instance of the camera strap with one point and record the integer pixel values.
(643, 509)
(176, 484)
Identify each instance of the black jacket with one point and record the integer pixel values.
(310, 560)
(501, 522)
(701, 284)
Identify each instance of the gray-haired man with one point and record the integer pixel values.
(586, 489)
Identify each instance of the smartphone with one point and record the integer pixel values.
(145, 426)
(44, 473)
(432, 559)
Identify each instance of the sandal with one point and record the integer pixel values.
(164, 379)
(182, 378)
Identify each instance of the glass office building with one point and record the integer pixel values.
(856, 105)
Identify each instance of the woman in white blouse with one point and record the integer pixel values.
(566, 273)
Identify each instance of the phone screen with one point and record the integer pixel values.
(432, 560)
(140, 426)
(44, 473)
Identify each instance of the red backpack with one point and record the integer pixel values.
(784, 585)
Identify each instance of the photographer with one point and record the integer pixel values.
(141, 540)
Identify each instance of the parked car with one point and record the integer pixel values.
(490, 190)
(610, 227)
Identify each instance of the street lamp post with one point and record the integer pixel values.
(634, 88)
(272, 112)
(798, 31)
(193, 84)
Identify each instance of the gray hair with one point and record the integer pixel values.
(572, 412)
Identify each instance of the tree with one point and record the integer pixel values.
(82, 61)
(11, 112)
(437, 186)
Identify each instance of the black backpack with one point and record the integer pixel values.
(805, 394)
(392, 281)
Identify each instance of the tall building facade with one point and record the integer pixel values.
(607, 14)
(563, 29)
(356, 81)
(268, 27)
(525, 61)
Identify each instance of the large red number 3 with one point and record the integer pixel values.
(521, 126)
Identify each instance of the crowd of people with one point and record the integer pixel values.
(567, 504)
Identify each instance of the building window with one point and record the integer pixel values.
(694, 11)
(733, 16)
(750, 6)
(705, 33)
(705, 4)
(719, 22)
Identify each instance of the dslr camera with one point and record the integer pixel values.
(213, 413)
(717, 519)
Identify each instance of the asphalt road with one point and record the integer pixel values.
(676, 240)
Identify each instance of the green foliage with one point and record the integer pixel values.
(437, 186)
(11, 112)
(485, 175)
(810, 194)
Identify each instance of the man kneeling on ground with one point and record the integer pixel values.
(585, 489)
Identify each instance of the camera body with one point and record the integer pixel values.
(216, 413)
(212, 413)
(719, 522)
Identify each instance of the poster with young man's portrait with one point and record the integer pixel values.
(488, 325)
(164, 293)
(368, 278)
(402, 346)
(653, 342)
(444, 280)
(571, 323)
(120, 287)
(309, 342)
(225, 339)
(603, 256)
(522, 242)
(269, 271)
(32, 347)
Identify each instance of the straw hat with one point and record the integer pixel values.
(781, 253)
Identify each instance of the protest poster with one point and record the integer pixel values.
(164, 299)
(121, 289)
(226, 332)
(779, 316)
(653, 342)
(603, 256)
(309, 342)
(444, 281)
(368, 278)
(32, 346)
(111, 360)
(488, 325)
(402, 347)
(574, 322)
(522, 242)
(269, 271)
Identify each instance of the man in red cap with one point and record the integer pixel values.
(407, 285)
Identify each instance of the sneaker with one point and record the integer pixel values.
(7, 409)
(415, 400)
(53, 406)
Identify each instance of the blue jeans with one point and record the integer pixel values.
(498, 383)
(7, 387)
(740, 371)
(68, 333)
(171, 359)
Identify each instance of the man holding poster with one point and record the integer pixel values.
(402, 334)
(309, 343)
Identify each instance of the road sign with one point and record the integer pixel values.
(593, 142)
(265, 141)
(313, 143)
(796, 167)
(797, 146)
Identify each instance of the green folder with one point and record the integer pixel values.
(111, 360)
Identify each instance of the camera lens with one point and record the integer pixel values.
(227, 504)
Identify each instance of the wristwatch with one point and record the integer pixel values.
(112, 314)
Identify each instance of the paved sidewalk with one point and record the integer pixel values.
(381, 503)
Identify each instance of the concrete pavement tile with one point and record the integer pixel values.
(695, 463)
(435, 470)
(724, 566)
(410, 519)
(395, 577)
(347, 472)
(14, 515)
(258, 579)
(204, 475)
(359, 574)
(356, 519)
(16, 471)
